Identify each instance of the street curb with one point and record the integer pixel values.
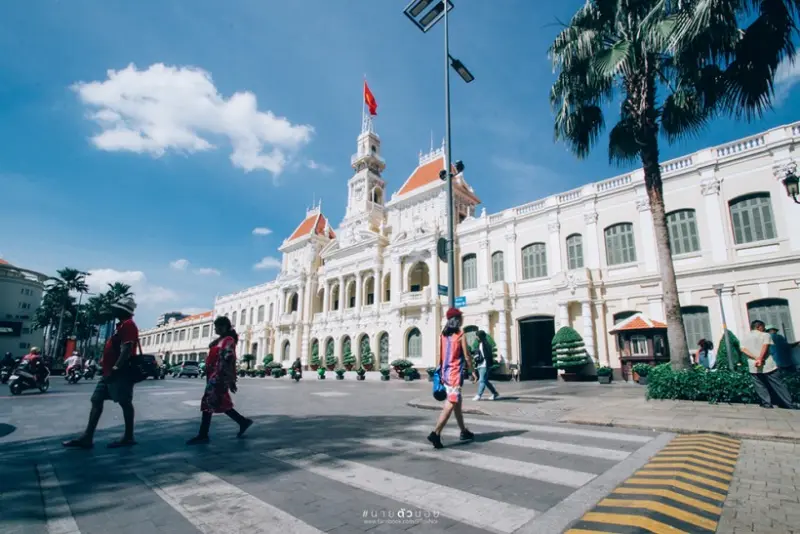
(684, 430)
(470, 411)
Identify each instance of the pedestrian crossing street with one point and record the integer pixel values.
(514, 478)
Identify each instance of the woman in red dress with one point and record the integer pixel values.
(220, 381)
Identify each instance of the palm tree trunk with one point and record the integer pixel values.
(58, 334)
(676, 334)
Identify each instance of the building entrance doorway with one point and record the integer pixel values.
(536, 353)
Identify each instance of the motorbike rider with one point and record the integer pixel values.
(8, 361)
(35, 363)
(297, 367)
(74, 363)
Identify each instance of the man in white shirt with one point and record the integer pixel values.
(767, 382)
(483, 362)
(72, 361)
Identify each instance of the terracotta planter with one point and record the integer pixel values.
(331, 367)
(368, 367)
(348, 366)
(314, 367)
(268, 371)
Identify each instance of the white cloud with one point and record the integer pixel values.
(144, 293)
(786, 77)
(314, 166)
(179, 265)
(167, 108)
(207, 271)
(261, 231)
(268, 263)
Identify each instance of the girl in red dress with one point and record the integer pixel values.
(220, 381)
(453, 358)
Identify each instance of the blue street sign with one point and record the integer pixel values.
(461, 302)
(442, 290)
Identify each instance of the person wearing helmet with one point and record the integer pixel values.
(116, 383)
(8, 360)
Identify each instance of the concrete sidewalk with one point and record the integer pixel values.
(624, 405)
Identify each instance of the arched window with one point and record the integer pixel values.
(293, 302)
(346, 345)
(498, 267)
(369, 290)
(387, 287)
(335, 297)
(243, 317)
(697, 325)
(329, 347)
(271, 309)
(620, 245)
(286, 351)
(469, 272)
(414, 345)
(351, 294)
(575, 251)
(418, 277)
(773, 312)
(682, 229)
(377, 195)
(261, 314)
(364, 345)
(534, 261)
(752, 220)
(383, 349)
(233, 318)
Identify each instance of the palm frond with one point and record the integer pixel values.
(623, 147)
(614, 60)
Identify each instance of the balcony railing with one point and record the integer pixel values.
(417, 297)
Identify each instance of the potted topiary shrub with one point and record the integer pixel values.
(400, 366)
(249, 359)
(349, 360)
(340, 373)
(273, 367)
(366, 359)
(361, 373)
(569, 353)
(604, 375)
(267, 360)
(385, 373)
(321, 373)
(330, 359)
(640, 372)
(261, 373)
(242, 373)
(314, 363)
(431, 371)
(408, 374)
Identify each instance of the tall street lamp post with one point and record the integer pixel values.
(425, 17)
(718, 289)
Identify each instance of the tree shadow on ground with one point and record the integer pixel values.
(104, 481)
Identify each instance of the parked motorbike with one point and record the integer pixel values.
(73, 376)
(296, 375)
(23, 379)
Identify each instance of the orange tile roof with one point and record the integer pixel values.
(196, 316)
(638, 322)
(4, 262)
(316, 223)
(423, 175)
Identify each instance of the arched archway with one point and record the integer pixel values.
(293, 303)
(369, 291)
(364, 348)
(346, 345)
(334, 303)
(414, 344)
(383, 349)
(535, 347)
(313, 349)
(286, 351)
(418, 277)
(351, 294)
(377, 195)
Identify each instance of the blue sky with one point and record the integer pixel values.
(128, 207)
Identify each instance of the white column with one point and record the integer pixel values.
(730, 313)
(502, 335)
(554, 252)
(359, 281)
(484, 266)
(563, 314)
(603, 350)
(591, 241)
(647, 234)
(588, 328)
(342, 294)
(281, 303)
(326, 289)
(510, 263)
(710, 187)
(378, 286)
(397, 279)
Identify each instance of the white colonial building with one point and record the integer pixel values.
(585, 258)
(20, 296)
(180, 340)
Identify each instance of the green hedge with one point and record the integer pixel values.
(699, 384)
(568, 349)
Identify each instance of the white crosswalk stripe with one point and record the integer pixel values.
(578, 432)
(58, 516)
(544, 473)
(464, 507)
(543, 445)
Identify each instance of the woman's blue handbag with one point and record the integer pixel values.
(439, 391)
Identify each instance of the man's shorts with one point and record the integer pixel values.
(119, 390)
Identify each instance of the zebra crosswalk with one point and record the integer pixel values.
(510, 480)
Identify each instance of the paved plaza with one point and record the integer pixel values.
(337, 456)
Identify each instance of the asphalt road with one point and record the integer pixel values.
(323, 456)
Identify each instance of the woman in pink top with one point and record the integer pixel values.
(452, 359)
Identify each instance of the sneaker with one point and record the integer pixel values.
(436, 439)
(476, 398)
(495, 396)
(466, 435)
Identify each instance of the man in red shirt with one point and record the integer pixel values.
(116, 383)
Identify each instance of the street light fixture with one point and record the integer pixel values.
(790, 180)
(718, 289)
(425, 20)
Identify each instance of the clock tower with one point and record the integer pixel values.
(366, 189)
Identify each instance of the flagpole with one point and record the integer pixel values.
(363, 98)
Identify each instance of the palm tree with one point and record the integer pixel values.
(694, 55)
(69, 281)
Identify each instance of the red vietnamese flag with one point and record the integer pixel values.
(369, 100)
